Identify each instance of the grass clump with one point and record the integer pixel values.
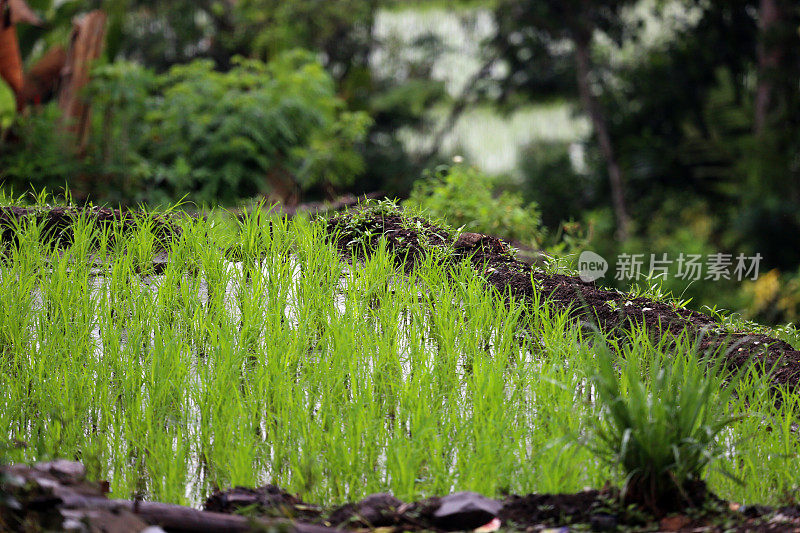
(662, 412)
(467, 198)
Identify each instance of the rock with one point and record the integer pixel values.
(468, 240)
(63, 470)
(469, 243)
(376, 510)
(95, 520)
(268, 500)
(465, 510)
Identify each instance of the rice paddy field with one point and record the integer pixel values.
(258, 353)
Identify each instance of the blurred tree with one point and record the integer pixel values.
(714, 114)
(770, 52)
(341, 30)
(162, 34)
(711, 113)
(86, 46)
(548, 27)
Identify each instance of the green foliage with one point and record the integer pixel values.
(662, 410)
(329, 155)
(194, 132)
(551, 181)
(215, 136)
(463, 196)
(7, 106)
(43, 156)
(339, 33)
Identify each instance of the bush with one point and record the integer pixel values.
(550, 180)
(217, 136)
(38, 154)
(463, 196)
(213, 137)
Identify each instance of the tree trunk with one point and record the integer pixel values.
(592, 107)
(11, 13)
(769, 56)
(41, 80)
(283, 188)
(86, 46)
(10, 60)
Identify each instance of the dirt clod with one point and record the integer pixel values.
(376, 510)
(268, 500)
(551, 508)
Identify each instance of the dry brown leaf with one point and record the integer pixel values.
(20, 12)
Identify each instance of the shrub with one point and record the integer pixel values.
(38, 153)
(218, 135)
(463, 196)
(213, 137)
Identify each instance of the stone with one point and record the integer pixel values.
(465, 510)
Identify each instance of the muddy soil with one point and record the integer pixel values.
(56, 496)
(357, 232)
(57, 222)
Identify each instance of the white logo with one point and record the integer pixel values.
(591, 266)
